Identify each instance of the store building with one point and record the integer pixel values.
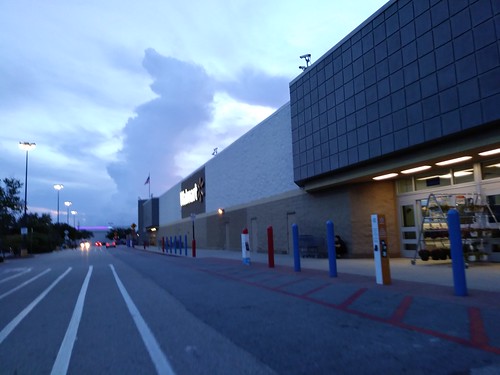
(415, 85)
(148, 221)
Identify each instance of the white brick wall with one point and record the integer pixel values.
(170, 209)
(257, 165)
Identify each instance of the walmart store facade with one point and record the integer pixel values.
(415, 85)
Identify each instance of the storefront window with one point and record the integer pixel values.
(491, 169)
(494, 203)
(463, 174)
(410, 246)
(410, 235)
(408, 215)
(404, 185)
(435, 178)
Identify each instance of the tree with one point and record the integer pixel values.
(117, 233)
(43, 235)
(40, 223)
(11, 205)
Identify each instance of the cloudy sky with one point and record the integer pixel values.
(114, 90)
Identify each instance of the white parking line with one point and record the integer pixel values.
(16, 275)
(64, 355)
(24, 284)
(159, 359)
(13, 324)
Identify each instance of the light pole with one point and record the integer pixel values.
(67, 204)
(58, 187)
(73, 212)
(26, 146)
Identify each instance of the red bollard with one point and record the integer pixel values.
(270, 247)
(193, 246)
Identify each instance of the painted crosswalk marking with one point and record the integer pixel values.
(64, 355)
(159, 359)
(13, 324)
(22, 271)
(22, 285)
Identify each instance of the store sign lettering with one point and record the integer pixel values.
(188, 196)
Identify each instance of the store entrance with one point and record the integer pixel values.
(409, 217)
(412, 210)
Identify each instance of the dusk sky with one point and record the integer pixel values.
(112, 91)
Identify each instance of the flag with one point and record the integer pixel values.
(147, 181)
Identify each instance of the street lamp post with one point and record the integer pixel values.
(67, 204)
(73, 212)
(58, 187)
(26, 146)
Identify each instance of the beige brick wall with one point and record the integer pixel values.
(349, 208)
(373, 198)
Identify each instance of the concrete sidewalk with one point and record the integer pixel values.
(483, 276)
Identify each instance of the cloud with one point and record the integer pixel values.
(256, 87)
(175, 132)
(163, 126)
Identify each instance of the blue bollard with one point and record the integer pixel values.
(296, 251)
(185, 245)
(457, 254)
(332, 253)
(175, 245)
(171, 244)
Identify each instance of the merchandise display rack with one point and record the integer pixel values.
(478, 225)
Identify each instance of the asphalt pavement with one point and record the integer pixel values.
(421, 297)
(415, 325)
(481, 276)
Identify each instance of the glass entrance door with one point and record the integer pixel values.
(408, 216)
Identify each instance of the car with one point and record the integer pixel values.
(85, 245)
(110, 244)
(98, 243)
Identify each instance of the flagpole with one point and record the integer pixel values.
(148, 181)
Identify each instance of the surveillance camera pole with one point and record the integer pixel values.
(307, 58)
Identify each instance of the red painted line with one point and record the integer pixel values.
(478, 334)
(277, 287)
(272, 277)
(478, 339)
(312, 291)
(401, 310)
(255, 274)
(352, 298)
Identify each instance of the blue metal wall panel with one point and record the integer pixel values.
(416, 71)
